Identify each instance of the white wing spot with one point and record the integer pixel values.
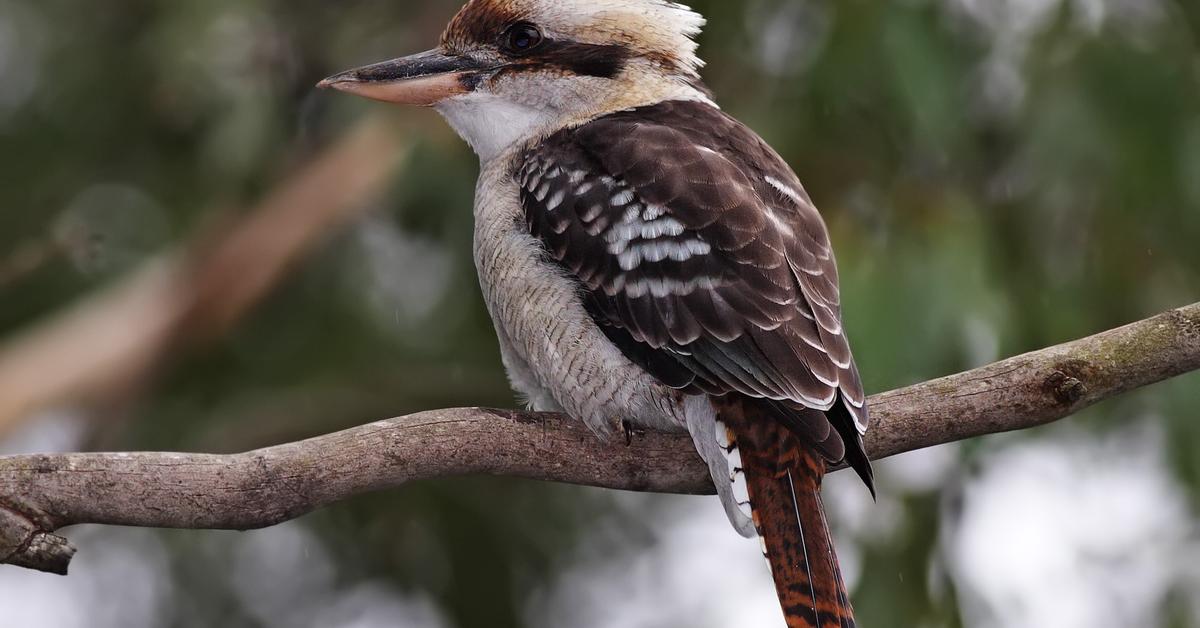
(661, 287)
(622, 198)
(637, 289)
(785, 190)
(654, 212)
(697, 247)
(630, 260)
(662, 227)
(632, 255)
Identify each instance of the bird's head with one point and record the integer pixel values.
(507, 71)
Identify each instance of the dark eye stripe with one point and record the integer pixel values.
(602, 61)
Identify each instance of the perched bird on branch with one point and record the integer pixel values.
(648, 260)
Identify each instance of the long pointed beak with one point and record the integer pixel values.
(423, 79)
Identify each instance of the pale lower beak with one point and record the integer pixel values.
(423, 79)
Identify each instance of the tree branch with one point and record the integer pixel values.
(41, 494)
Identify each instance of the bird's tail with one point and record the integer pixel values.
(783, 478)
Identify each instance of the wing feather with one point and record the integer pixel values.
(700, 255)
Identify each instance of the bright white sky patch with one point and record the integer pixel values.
(1070, 533)
(699, 574)
(286, 578)
(118, 580)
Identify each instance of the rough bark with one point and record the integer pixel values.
(41, 494)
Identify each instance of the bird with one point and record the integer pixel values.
(650, 261)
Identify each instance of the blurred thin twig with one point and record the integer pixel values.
(109, 344)
(41, 494)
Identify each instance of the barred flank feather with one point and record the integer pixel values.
(784, 481)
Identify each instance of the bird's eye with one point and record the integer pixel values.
(521, 38)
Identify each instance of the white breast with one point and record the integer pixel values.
(553, 349)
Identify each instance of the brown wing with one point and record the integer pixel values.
(702, 257)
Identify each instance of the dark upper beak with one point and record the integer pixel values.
(423, 79)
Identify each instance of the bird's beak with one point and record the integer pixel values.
(423, 79)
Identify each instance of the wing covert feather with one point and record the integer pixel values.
(700, 255)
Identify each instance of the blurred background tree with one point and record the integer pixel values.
(998, 175)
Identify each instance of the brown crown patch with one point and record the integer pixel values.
(479, 22)
(658, 32)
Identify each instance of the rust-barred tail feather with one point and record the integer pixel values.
(784, 481)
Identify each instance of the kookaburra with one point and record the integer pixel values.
(647, 259)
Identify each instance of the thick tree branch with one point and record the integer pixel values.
(41, 494)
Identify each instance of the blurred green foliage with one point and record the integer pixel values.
(996, 179)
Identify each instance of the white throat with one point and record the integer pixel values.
(492, 124)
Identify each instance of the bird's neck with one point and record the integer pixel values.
(495, 126)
